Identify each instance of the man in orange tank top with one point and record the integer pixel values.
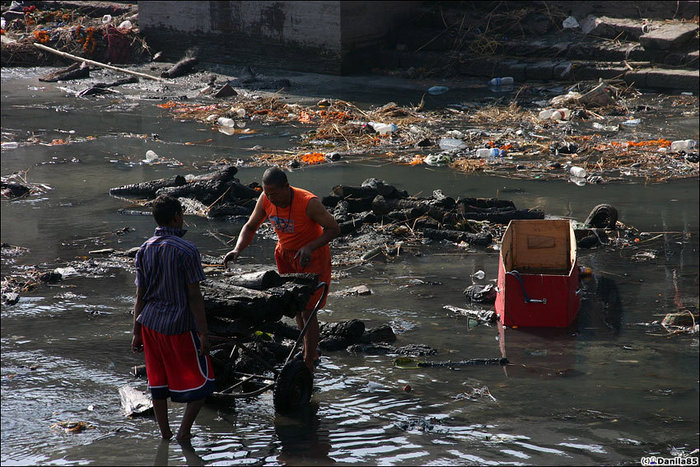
(304, 227)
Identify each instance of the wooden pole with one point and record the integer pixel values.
(103, 65)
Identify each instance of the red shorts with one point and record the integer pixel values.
(174, 367)
(320, 264)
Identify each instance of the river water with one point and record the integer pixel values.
(613, 392)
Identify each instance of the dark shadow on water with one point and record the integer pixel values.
(603, 309)
(191, 456)
(552, 352)
(303, 438)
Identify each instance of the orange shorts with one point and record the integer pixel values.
(174, 367)
(320, 264)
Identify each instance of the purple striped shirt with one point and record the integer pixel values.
(165, 265)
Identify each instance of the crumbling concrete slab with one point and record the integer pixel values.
(684, 80)
(669, 36)
(612, 28)
(540, 71)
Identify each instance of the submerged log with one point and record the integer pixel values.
(75, 71)
(259, 280)
(148, 189)
(183, 67)
(103, 87)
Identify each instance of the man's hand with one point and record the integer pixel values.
(137, 343)
(231, 256)
(304, 255)
(204, 344)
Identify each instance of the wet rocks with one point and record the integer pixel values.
(338, 336)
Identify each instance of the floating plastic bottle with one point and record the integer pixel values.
(383, 128)
(10, 145)
(483, 153)
(578, 172)
(479, 275)
(125, 24)
(505, 81)
(436, 90)
(632, 122)
(151, 156)
(684, 145)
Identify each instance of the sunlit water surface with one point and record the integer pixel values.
(613, 392)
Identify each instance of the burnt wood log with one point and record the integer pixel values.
(225, 301)
(258, 280)
(478, 239)
(225, 174)
(75, 71)
(382, 206)
(356, 222)
(100, 88)
(468, 204)
(229, 209)
(205, 191)
(183, 67)
(148, 189)
(498, 216)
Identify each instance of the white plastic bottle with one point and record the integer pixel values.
(483, 153)
(383, 128)
(683, 145)
(579, 172)
(505, 81)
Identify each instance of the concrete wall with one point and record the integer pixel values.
(302, 35)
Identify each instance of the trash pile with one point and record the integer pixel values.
(16, 186)
(572, 135)
(108, 37)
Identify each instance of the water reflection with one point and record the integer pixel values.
(303, 438)
(163, 451)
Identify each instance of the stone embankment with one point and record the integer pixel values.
(655, 48)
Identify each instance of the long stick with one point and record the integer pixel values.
(93, 62)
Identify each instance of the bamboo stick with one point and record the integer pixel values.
(103, 65)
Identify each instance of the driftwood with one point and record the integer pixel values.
(103, 87)
(93, 62)
(148, 189)
(183, 67)
(74, 71)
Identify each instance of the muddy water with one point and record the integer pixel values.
(613, 392)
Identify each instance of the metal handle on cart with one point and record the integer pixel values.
(306, 324)
(516, 274)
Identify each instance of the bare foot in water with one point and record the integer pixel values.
(184, 438)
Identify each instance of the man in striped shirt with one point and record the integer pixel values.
(170, 326)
